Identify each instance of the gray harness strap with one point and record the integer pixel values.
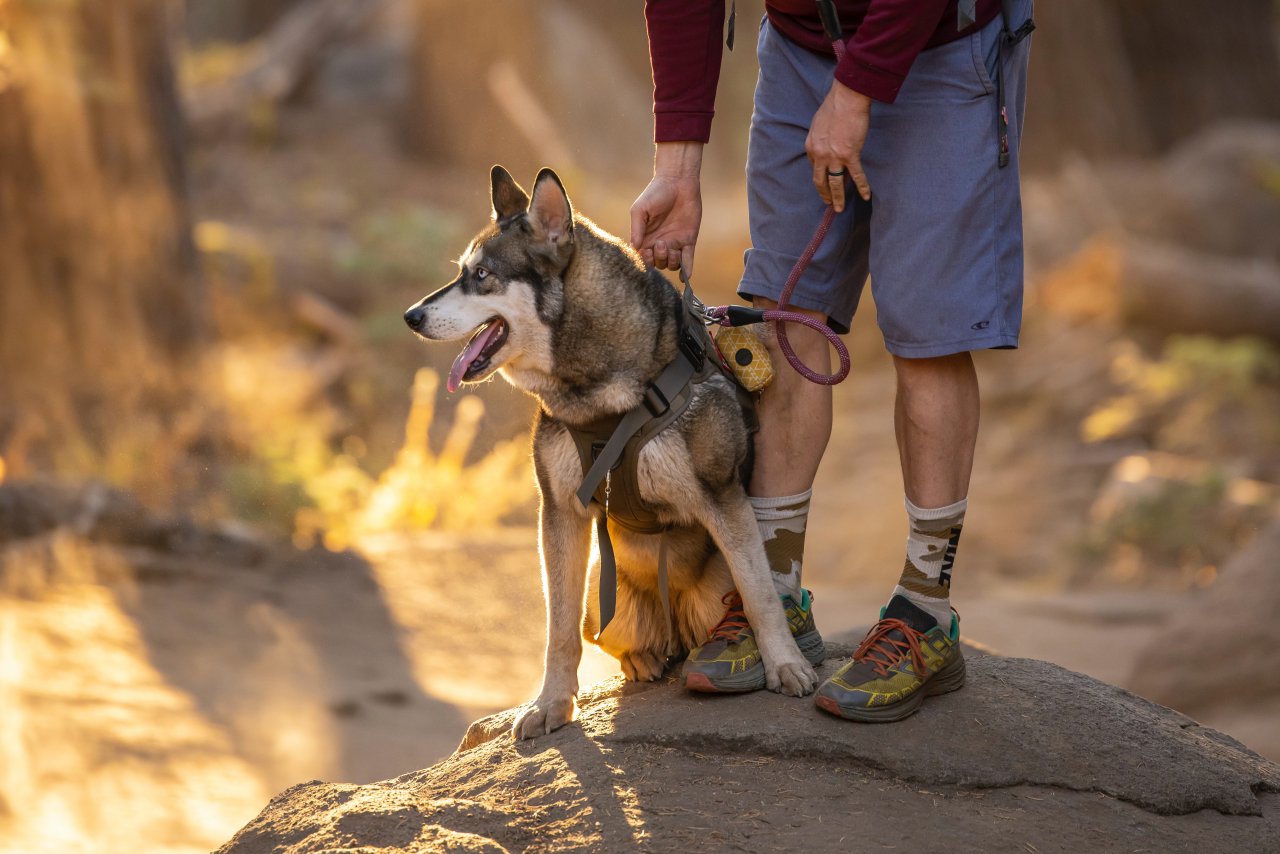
(613, 445)
(657, 404)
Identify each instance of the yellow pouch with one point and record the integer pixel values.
(746, 355)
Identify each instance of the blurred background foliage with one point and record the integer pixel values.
(209, 190)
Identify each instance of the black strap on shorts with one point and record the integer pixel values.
(1009, 37)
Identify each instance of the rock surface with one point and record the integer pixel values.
(1028, 757)
(1236, 667)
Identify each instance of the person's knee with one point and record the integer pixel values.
(933, 366)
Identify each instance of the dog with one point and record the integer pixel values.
(572, 315)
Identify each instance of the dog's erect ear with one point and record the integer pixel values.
(509, 198)
(550, 213)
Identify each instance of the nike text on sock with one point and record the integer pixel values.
(932, 539)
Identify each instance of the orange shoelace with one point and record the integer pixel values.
(883, 651)
(733, 621)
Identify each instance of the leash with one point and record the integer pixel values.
(736, 315)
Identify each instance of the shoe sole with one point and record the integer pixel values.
(950, 678)
(752, 679)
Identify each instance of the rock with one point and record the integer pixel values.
(1232, 664)
(1028, 756)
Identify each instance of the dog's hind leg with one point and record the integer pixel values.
(639, 635)
(701, 604)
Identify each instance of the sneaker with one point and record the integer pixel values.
(905, 657)
(729, 662)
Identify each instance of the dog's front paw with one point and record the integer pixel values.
(542, 716)
(794, 678)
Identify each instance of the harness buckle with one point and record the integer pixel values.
(655, 401)
(693, 348)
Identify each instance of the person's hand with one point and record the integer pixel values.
(834, 144)
(666, 216)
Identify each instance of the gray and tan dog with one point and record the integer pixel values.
(571, 315)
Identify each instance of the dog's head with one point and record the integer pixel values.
(509, 287)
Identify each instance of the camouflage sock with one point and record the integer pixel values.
(782, 522)
(931, 550)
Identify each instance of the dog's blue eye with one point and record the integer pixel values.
(481, 273)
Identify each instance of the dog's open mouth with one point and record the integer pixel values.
(475, 358)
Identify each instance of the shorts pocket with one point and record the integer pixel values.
(980, 61)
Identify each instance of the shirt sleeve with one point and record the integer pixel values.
(891, 36)
(685, 51)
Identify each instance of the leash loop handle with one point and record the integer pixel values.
(780, 318)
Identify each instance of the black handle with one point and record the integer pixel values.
(740, 315)
(830, 20)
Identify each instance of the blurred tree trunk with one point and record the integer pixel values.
(232, 20)
(525, 83)
(1134, 77)
(1201, 61)
(99, 311)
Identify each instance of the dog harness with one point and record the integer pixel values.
(609, 448)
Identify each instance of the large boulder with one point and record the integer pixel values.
(1028, 757)
(1205, 662)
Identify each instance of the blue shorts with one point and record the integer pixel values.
(942, 236)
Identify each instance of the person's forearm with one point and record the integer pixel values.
(677, 159)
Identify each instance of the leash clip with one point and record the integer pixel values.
(709, 315)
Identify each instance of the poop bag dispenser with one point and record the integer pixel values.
(746, 355)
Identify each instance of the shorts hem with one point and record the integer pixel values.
(950, 348)
(747, 290)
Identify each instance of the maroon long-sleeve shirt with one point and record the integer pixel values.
(882, 39)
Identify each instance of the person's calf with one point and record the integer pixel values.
(795, 415)
(936, 422)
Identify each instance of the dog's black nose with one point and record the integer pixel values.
(414, 317)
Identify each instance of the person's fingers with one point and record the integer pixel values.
(647, 255)
(639, 218)
(673, 259)
(820, 181)
(860, 179)
(686, 261)
(660, 254)
(836, 185)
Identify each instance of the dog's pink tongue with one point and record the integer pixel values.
(469, 353)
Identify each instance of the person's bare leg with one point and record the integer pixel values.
(936, 420)
(795, 425)
(795, 414)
